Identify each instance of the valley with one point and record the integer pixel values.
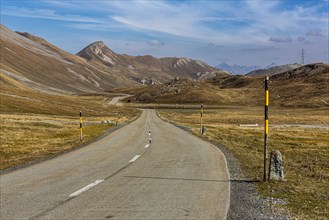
(43, 89)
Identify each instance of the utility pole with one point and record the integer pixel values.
(303, 55)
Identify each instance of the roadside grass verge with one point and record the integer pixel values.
(305, 151)
(37, 125)
(26, 138)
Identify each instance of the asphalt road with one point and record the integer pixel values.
(116, 100)
(122, 176)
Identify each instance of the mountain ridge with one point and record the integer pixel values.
(305, 86)
(38, 64)
(256, 70)
(166, 67)
(274, 70)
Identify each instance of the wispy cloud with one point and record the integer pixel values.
(259, 49)
(212, 45)
(300, 38)
(281, 39)
(314, 33)
(155, 43)
(308, 43)
(216, 26)
(47, 14)
(219, 22)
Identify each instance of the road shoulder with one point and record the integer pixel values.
(245, 200)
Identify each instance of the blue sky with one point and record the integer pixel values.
(237, 32)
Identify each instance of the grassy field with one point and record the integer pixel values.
(305, 150)
(37, 125)
(25, 138)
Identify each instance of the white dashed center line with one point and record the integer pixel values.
(91, 185)
(134, 158)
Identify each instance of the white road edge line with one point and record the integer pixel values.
(134, 158)
(91, 185)
(146, 146)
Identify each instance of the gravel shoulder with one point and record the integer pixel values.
(245, 200)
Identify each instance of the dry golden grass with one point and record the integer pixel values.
(25, 138)
(305, 151)
(37, 125)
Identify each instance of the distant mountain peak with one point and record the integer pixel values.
(237, 69)
(99, 51)
(271, 65)
(98, 44)
(101, 43)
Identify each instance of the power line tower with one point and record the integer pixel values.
(303, 55)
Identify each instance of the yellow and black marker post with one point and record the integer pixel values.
(80, 126)
(201, 114)
(266, 127)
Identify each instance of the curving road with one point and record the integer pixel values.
(116, 100)
(122, 176)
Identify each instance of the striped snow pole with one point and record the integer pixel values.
(80, 126)
(201, 114)
(266, 126)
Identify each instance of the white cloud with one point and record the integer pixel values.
(155, 43)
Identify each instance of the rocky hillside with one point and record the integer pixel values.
(306, 86)
(304, 73)
(179, 90)
(274, 70)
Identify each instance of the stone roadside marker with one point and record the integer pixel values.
(276, 166)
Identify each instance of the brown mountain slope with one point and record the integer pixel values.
(46, 68)
(307, 86)
(304, 86)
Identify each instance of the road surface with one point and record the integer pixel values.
(122, 176)
(116, 100)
